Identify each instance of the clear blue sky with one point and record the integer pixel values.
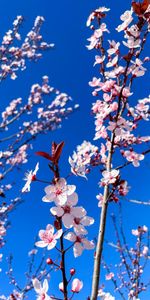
(70, 68)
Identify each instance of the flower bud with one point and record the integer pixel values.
(72, 271)
(77, 285)
(61, 287)
(49, 261)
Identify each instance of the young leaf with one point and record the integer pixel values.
(45, 155)
(58, 151)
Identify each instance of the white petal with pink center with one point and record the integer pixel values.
(68, 212)
(29, 177)
(80, 243)
(41, 290)
(48, 238)
(109, 177)
(59, 192)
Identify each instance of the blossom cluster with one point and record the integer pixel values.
(13, 57)
(116, 120)
(72, 216)
(133, 261)
(42, 290)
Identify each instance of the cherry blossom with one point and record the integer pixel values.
(99, 12)
(80, 243)
(41, 290)
(133, 157)
(109, 276)
(114, 47)
(48, 238)
(68, 212)
(99, 59)
(145, 250)
(140, 230)
(77, 285)
(127, 18)
(105, 296)
(61, 287)
(81, 159)
(73, 216)
(58, 192)
(95, 38)
(109, 177)
(29, 177)
(100, 198)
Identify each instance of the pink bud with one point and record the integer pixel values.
(76, 285)
(49, 261)
(61, 287)
(72, 272)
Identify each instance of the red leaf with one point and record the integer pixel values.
(45, 155)
(140, 8)
(58, 151)
(54, 145)
(136, 8)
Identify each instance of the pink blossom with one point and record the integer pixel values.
(127, 18)
(123, 188)
(29, 177)
(109, 177)
(68, 212)
(109, 276)
(48, 238)
(95, 82)
(1, 256)
(73, 216)
(133, 157)
(100, 198)
(61, 287)
(77, 285)
(132, 42)
(58, 192)
(120, 127)
(140, 230)
(95, 38)
(99, 59)
(41, 290)
(112, 62)
(80, 243)
(145, 251)
(2, 229)
(98, 12)
(81, 159)
(105, 296)
(114, 47)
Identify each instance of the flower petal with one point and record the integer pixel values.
(41, 244)
(50, 228)
(71, 189)
(86, 221)
(77, 249)
(78, 211)
(58, 234)
(88, 244)
(70, 236)
(57, 211)
(80, 229)
(72, 199)
(51, 245)
(45, 286)
(37, 285)
(68, 220)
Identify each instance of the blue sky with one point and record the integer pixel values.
(70, 67)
